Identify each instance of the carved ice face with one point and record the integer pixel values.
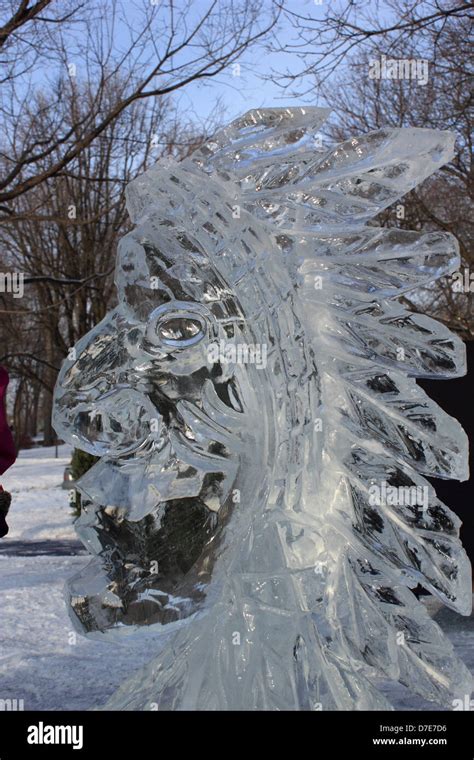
(167, 422)
(299, 269)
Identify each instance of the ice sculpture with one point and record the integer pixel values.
(262, 440)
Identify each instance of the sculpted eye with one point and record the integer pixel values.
(177, 325)
(180, 331)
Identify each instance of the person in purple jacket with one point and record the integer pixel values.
(7, 451)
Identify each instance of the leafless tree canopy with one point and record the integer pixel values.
(89, 97)
(323, 43)
(87, 101)
(335, 51)
(120, 52)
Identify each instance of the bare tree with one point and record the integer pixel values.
(86, 104)
(324, 42)
(432, 39)
(62, 238)
(152, 49)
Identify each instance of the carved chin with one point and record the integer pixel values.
(153, 571)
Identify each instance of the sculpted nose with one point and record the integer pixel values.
(97, 405)
(118, 422)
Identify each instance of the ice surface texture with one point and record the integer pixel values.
(252, 391)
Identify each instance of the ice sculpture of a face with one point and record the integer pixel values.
(248, 398)
(161, 391)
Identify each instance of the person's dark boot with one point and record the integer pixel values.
(5, 500)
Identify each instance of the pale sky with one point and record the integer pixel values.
(240, 91)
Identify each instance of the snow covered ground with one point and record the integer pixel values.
(40, 508)
(42, 660)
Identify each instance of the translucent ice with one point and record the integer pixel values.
(262, 438)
